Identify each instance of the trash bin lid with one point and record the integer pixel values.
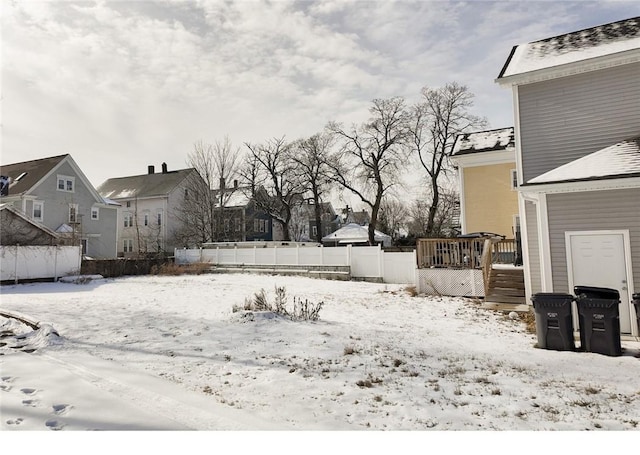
(592, 292)
(552, 298)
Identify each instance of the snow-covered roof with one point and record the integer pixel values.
(616, 161)
(485, 141)
(355, 233)
(140, 186)
(599, 41)
(238, 197)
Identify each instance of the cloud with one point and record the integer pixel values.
(119, 84)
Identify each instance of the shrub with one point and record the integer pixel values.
(302, 310)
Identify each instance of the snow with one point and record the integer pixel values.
(499, 139)
(355, 233)
(573, 47)
(620, 159)
(170, 353)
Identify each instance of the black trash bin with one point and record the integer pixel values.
(554, 326)
(599, 319)
(636, 303)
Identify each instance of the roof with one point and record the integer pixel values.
(485, 141)
(145, 185)
(234, 197)
(19, 214)
(354, 233)
(33, 171)
(581, 45)
(621, 160)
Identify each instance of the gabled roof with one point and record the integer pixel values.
(142, 186)
(26, 176)
(33, 171)
(569, 48)
(485, 141)
(621, 160)
(26, 219)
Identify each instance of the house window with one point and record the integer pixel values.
(128, 220)
(315, 230)
(237, 224)
(66, 183)
(128, 204)
(128, 245)
(38, 207)
(159, 218)
(95, 213)
(262, 226)
(256, 225)
(514, 179)
(73, 213)
(146, 219)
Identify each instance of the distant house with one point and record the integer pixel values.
(355, 234)
(18, 229)
(147, 220)
(329, 221)
(238, 218)
(577, 135)
(486, 162)
(55, 193)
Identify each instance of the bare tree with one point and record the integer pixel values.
(310, 157)
(393, 218)
(446, 222)
(281, 190)
(372, 155)
(435, 122)
(202, 212)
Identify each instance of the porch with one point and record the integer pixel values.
(486, 264)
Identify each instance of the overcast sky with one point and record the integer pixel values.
(120, 85)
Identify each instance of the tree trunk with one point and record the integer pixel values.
(433, 209)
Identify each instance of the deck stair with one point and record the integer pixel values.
(506, 285)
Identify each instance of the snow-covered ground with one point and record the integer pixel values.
(174, 353)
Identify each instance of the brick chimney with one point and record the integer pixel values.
(164, 168)
(151, 169)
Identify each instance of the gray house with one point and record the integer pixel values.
(54, 192)
(150, 204)
(577, 125)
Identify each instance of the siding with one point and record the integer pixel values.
(590, 211)
(567, 118)
(534, 248)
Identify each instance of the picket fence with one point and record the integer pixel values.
(19, 263)
(365, 262)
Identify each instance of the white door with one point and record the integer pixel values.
(599, 260)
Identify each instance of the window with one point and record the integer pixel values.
(73, 213)
(128, 245)
(128, 204)
(66, 183)
(146, 219)
(262, 226)
(237, 224)
(315, 230)
(514, 179)
(256, 225)
(128, 220)
(38, 207)
(159, 218)
(95, 213)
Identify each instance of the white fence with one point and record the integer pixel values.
(364, 261)
(38, 262)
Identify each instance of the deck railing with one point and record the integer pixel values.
(462, 253)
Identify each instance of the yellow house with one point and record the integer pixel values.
(486, 163)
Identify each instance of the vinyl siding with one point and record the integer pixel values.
(567, 118)
(533, 247)
(591, 211)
